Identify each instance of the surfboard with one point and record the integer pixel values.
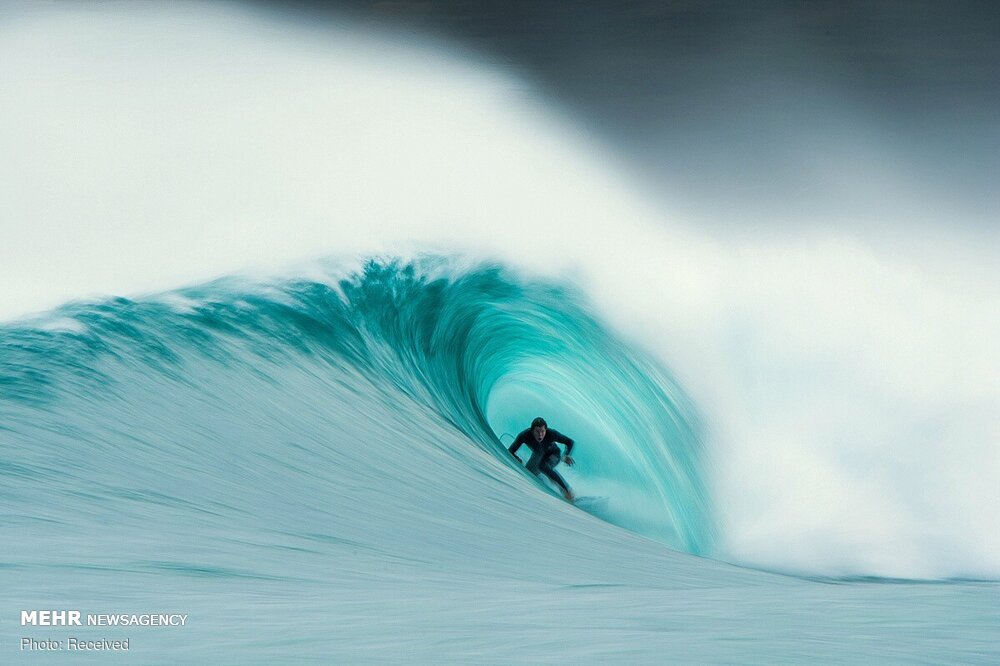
(591, 502)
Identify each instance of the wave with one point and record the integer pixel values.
(476, 351)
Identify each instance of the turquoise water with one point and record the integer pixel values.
(311, 471)
(795, 428)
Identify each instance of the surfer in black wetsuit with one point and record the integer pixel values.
(545, 453)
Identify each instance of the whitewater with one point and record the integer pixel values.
(276, 296)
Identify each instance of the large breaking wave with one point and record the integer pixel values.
(121, 389)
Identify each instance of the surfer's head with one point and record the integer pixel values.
(538, 428)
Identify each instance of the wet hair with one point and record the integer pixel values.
(539, 421)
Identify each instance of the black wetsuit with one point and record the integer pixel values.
(544, 454)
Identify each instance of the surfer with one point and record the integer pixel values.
(545, 453)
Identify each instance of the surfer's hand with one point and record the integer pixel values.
(568, 460)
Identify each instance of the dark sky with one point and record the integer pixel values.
(760, 111)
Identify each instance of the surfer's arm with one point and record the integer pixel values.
(516, 444)
(562, 439)
(565, 441)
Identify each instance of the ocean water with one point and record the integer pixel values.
(796, 437)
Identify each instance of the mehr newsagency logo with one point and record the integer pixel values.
(75, 618)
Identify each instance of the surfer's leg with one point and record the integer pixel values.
(558, 480)
(534, 462)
